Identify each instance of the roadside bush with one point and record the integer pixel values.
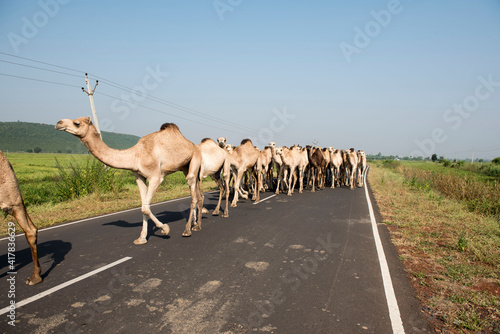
(496, 161)
(392, 164)
(77, 180)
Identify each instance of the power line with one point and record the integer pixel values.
(32, 79)
(130, 90)
(39, 68)
(41, 62)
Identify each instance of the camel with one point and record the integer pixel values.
(361, 167)
(266, 165)
(291, 159)
(317, 165)
(327, 157)
(278, 163)
(243, 158)
(11, 202)
(351, 165)
(213, 162)
(153, 157)
(335, 165)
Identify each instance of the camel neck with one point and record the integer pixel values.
(121, 159)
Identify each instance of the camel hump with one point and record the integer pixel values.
(169, 126)
(207, 139)
(244, 141)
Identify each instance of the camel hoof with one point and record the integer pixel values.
(34, 280)
(233, 205)
(186, 234)
(140, 241)
(244, 196)
(196, 228)
(204, 210)
(215, 213)
(225, 215)
(165, 229)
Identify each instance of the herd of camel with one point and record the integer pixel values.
(167, 151)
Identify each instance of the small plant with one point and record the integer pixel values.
(462, 243)
(79, 180)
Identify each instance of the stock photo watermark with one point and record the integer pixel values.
(278, 122)
(291, 280)
(455, 116)
(31, 26)
(88, 310)
(364, 36)
(224, 6)
(128, 101)
(11, 274)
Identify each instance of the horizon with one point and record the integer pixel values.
(399, 77)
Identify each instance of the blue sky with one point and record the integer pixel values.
(397, 77)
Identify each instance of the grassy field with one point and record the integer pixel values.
(51, 199)
(450, 248)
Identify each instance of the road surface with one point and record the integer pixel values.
(301, 264)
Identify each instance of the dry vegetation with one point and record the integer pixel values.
(450, 251)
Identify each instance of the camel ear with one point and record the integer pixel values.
(87, 120)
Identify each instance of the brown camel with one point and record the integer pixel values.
(317, 165)
(152, 158)
(11, 202)
(213, 162)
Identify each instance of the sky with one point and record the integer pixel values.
(399, 77)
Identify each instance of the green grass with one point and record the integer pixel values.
(450, 249)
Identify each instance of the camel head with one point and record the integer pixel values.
(272, 144)
(78, 127)
(229, 148)
(279, 150)
(222, 141)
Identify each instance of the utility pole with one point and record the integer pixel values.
(90, 93)
(472, 157)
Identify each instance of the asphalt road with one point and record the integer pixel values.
(301, 264)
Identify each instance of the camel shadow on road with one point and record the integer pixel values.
(49, 251)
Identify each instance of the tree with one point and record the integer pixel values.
(434, 157)
(37, 149)
(496, 160)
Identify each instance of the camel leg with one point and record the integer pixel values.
(146, 197)
(237, 189)
(31, 233)
(301, 181)
(313, 173)
(290, 182)
(192, 172)
(227, 174)
(257, 175)
(220, 184)
(280, 176)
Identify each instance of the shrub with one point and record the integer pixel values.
(79, 180)
(496, 161)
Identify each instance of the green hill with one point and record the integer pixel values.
(23, 136)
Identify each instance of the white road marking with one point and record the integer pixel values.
(63, 285)
(392, 303)
(262, 200)
(105, 215)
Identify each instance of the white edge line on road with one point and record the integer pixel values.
(392, 303)
(63, 285)
(105, 215)
(265, 199)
